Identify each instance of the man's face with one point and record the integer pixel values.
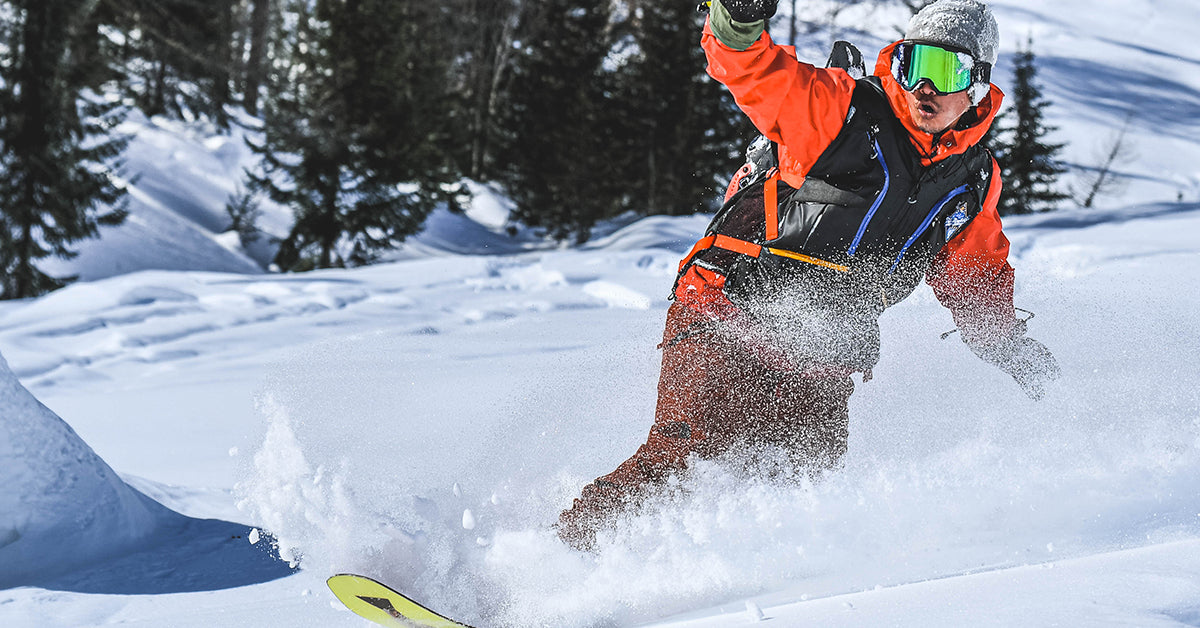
(933, 113)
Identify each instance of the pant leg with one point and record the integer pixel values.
(714, 395)
(809, 421)
(695, 374)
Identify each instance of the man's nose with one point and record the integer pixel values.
(925, 88)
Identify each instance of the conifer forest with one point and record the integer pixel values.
(370, 114)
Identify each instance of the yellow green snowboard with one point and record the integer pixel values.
(383, 605)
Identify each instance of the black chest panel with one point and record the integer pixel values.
(868, 205)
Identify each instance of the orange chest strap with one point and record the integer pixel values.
(771, 205)
(721, 242)
(753, 250)
(771, 218)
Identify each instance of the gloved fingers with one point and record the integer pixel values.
(1033, 366)
(1040, 359)
(747, 11)
(1034, 388)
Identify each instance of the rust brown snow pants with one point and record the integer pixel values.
(715, 395)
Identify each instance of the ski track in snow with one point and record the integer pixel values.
(133, 319)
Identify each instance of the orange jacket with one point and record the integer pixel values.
(802, 108)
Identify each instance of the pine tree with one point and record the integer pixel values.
(355, 130)
(485, 44)
(58, 153)
(609, 112)
(682, 129)
(177, 55)
(1028, 163)
(561, 162)
(255, 46)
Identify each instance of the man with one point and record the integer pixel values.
(877, 182)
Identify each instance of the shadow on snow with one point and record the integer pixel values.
(1154, 102)
(185, 555)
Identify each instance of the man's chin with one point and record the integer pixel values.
(932, 124)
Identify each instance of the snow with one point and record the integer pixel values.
(424, 421)
(170, 419)
(50, 473)
(176, 203)
(70, 523)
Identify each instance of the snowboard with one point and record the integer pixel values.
(383, 605)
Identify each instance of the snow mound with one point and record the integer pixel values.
(60, 504)
(181, 177)
(68, 522)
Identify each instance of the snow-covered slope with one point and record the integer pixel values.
(180, 180)
(425, 420)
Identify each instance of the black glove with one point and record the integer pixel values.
(1028, 361)
(747, 11)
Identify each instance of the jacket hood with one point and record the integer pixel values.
(953, 141)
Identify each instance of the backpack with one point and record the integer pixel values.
(762, 155)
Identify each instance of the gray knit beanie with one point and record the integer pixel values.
(965, 24)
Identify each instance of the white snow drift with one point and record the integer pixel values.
(61, 506)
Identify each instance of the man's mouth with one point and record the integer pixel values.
(927, 109)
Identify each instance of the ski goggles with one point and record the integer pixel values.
(947, 70)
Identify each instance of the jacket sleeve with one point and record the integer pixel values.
(971, 276)
(796, 105)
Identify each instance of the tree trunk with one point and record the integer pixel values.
(792, 22)
(35, 80)
(224, 59)
(260, 19)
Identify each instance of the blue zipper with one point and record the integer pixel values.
(887, 180)
(925, 225)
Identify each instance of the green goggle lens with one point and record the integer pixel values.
(947, 70)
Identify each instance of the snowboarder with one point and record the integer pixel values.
(876, 182)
